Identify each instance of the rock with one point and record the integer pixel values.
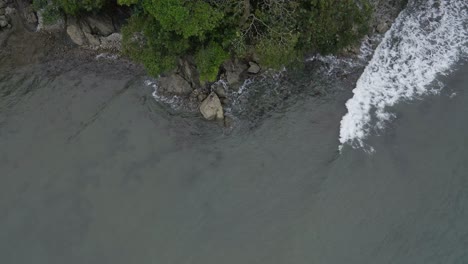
(3, 23)
(75, 33)
(100, 25)
(254, 68)
(2, 11)
(188, 70)
(10, 11)
(382, 27)
(30, 15)
(175, 84)
(211, 108)
(2, 4)
(112, 42)
(218, 88)
(92, 40)
(233, 71)
(228, 121)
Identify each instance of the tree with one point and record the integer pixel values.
(277, 32)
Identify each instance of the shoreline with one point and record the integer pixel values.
(22, 46)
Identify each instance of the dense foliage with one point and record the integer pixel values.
(277, 32)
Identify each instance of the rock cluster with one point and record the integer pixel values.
(4, 18)
(94, 32)
(211, 97)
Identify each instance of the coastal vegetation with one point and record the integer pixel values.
(274, 33)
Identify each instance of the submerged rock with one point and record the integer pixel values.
(211, 108)
(175, 84)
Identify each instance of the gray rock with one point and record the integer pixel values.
(175, 84)
(75, 33)
(92, 40)
(30, 15)
(3, 23)
(382, 27)
(100, 25)
(218, 88)
(254, 68)
(112, 42)
(211, 108)
(188, 70)
(2, 11)
(234, 69)
(10, 11)
(2, 4)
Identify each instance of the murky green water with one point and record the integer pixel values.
(93, 170)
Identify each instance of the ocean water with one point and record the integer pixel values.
(94, 170)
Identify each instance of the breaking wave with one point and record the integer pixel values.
(426, 40)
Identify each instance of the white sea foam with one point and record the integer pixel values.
(174, 101)
(425, 41)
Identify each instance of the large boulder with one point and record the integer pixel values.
(174, 84)
(75, 33)
(211, 108)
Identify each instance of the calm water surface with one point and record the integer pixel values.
(93, 170)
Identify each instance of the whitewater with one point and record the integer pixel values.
(425, 41)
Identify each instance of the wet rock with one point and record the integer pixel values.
(175, 84)
(218, 88)
(228, 122)
(233, 71)
(254, 68)
(382, 27)
(211, 108)
(100, 25)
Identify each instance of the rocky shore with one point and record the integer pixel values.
(101, 32)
